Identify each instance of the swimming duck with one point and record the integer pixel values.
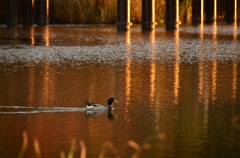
(93, 106)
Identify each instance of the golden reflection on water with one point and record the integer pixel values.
(234, 81)
(32, 36)
(235, 31)
(214, 64)
(214, 80)
(153, 67)
(128, 72)
(234, 64)
(203, 86)
(153, 72)
(46, 35)
(176, 68)
(200, 68)
(47, 94)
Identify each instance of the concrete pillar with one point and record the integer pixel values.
(28, 12)
(197, 11)
(148, 15)
(231, 11)
(12, 19)
(172, 9)
(211, 11)
(42, 12)
(123, 15)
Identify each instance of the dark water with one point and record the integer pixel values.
(178, 92)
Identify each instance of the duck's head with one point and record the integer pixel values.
(111, 100)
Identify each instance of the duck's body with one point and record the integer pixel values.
(95, 106)
(92, 106)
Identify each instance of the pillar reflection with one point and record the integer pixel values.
(48, 86)
(214, 64)
(128, 72)
(153, 67)
(32, 40)
(200, 67)
(235, 31)
(176, 68)
(234, 80)
(46, 35)
(234, 64)
(153, 72)
(203, 86)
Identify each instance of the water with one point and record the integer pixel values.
(177, 92)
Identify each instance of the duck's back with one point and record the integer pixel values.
(97, 107)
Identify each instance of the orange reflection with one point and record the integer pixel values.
(214, 32)
(48, 87)
(128, 81)
(200, 67)
(176, 68)
(214, 80)
(234, 80)
(32, 35)
(46, 35)
(234, 73)
(235, 31)
(214, 64)
(201, 31)
(153, 67)
(200, 82)
(153, 80)
(128, 71)
(203, 84)
(203, 92)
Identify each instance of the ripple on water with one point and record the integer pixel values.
(188, 51)
(188, 45)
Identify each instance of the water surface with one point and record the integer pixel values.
(178, 92)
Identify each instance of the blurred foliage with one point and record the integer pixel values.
(105, 11)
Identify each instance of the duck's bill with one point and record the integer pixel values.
(115, 101)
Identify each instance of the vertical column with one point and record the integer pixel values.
(42, 12)
(231, 11)
(12, 13)
(123, 15)
(172, 9)
(211, 11)
(28, 12)
(197, 11)
(148, 14)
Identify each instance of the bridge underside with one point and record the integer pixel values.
(123, 13)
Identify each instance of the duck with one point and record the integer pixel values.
(93, 106)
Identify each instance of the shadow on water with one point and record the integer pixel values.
(181, 89)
